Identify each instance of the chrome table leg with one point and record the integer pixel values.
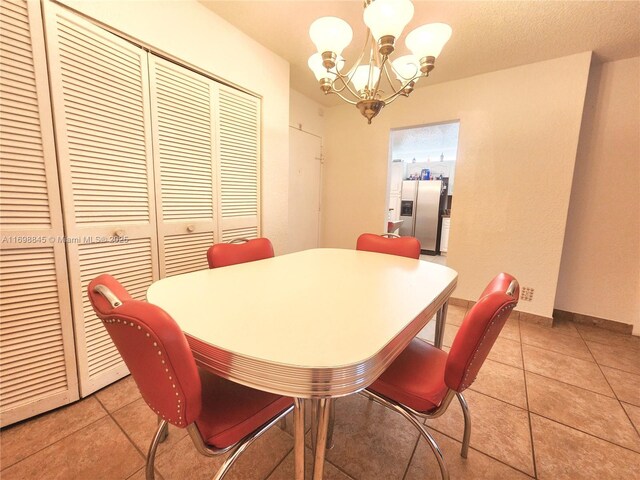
(323, 408)
(441, 320)
(298, 436)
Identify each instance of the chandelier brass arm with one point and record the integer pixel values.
(362, 84)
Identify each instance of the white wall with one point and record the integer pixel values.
(519, 133)
(306, 114)
(600, 269)
(191, 32)
(307, 130)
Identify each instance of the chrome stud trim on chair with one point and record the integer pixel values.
(422, 380)
(161, 363)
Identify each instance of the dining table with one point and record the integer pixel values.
(313, 325)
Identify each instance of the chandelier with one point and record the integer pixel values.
(362, 84)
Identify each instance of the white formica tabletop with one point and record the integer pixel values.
(316, 323)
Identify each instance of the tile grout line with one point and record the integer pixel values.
(526, 395)
(130, 440)
(612, 389)
(585, 432)
(471, 447)
(60, 439)
(413, 453)
(280, 462)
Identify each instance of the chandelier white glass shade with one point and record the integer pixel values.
(361, 84)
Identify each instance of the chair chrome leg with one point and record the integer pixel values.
(151, 455)
(433, 445)
(467, 426)
(165, 432)
(298, 436)
(244, 444)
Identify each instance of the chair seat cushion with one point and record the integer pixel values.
(231, 411)
(415, 378)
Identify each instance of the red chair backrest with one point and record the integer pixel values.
(402, 246)
(478, 332)
(154, 349)
(225, 254)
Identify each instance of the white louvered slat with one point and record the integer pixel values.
(185, 150)
(102, 86)
(186, 253)
(184, 145)
(37, 361)
(101, 106)
(248, 232)
(17, 94)
(239, 151)
(45, 330)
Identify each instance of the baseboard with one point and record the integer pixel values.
(458, 302)
(603, 323)
(534, 319)
(517, 315)
(580, 318)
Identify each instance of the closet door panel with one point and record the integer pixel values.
(238, 163)
(37, 360)
(184, 149)
(100, 93)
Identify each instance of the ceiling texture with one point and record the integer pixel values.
(487, 35)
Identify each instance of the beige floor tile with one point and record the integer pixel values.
(566, 327)
(506, 351)
(140, 424)
(285, 469)
(563, 453)
(455, 315)
(21, 440)
(615, 356)
(497, 429)
(370, 441)
(634, 414)
(581, 409)
(511, 330)
(573, 371)
(625, 385)
(183, 462)
(550, 339)
(476, 466)
(119, 394)
(600, 335)
(501, 381)
(98, 451)
(261, 458)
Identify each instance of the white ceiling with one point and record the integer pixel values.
(487, 35)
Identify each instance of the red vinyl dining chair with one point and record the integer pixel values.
(389, 243)
(239, 250)
(219, 415)
(422, 380)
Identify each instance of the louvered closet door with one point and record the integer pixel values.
(100, 96)
(238, 129)
(184, 149)
(37, 361)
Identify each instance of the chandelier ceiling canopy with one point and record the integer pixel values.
(362, 84)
